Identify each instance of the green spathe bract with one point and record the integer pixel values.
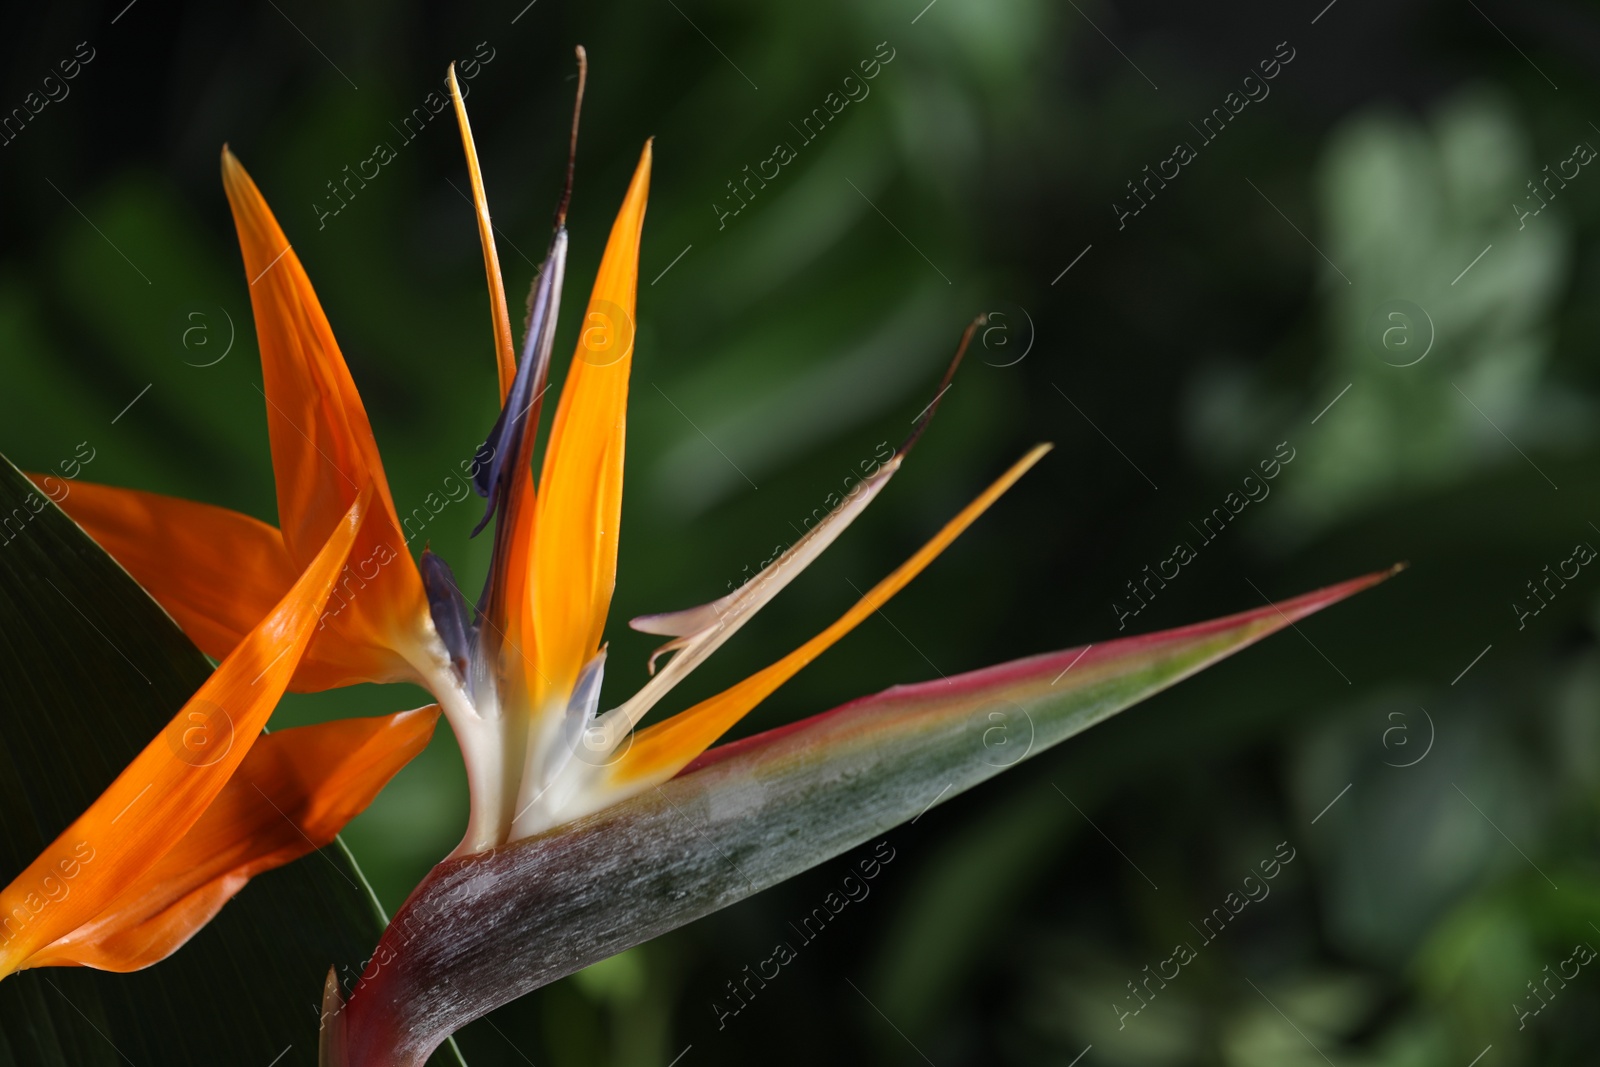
(483, 930)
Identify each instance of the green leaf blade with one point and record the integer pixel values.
(90, 669)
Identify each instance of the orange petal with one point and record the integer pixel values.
(154, 802)
(323, 450)
(505, 355)
(292, 794)
(575, 551)
(660, 751)
(218, 573)
(215, 571)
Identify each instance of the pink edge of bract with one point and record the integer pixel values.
(1286, 613)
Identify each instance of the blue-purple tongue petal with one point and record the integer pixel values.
(483, 477)
(448, 608)
(581, 708)
(504, 442)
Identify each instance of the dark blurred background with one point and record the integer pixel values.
(1428, 754)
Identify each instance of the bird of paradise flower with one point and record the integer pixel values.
(518, 673)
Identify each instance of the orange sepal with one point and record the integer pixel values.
(580, 487)
(323, 450)
(217, 573)
(168, 786)
(292, 794)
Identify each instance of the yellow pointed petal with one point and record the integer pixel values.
(167, 788)
(697, 632)
(660, 751)
(580, 502)
(505, 355)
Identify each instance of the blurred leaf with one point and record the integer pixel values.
(962, 900)
(1440, 359)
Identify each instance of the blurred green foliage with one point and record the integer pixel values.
(777, 348)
